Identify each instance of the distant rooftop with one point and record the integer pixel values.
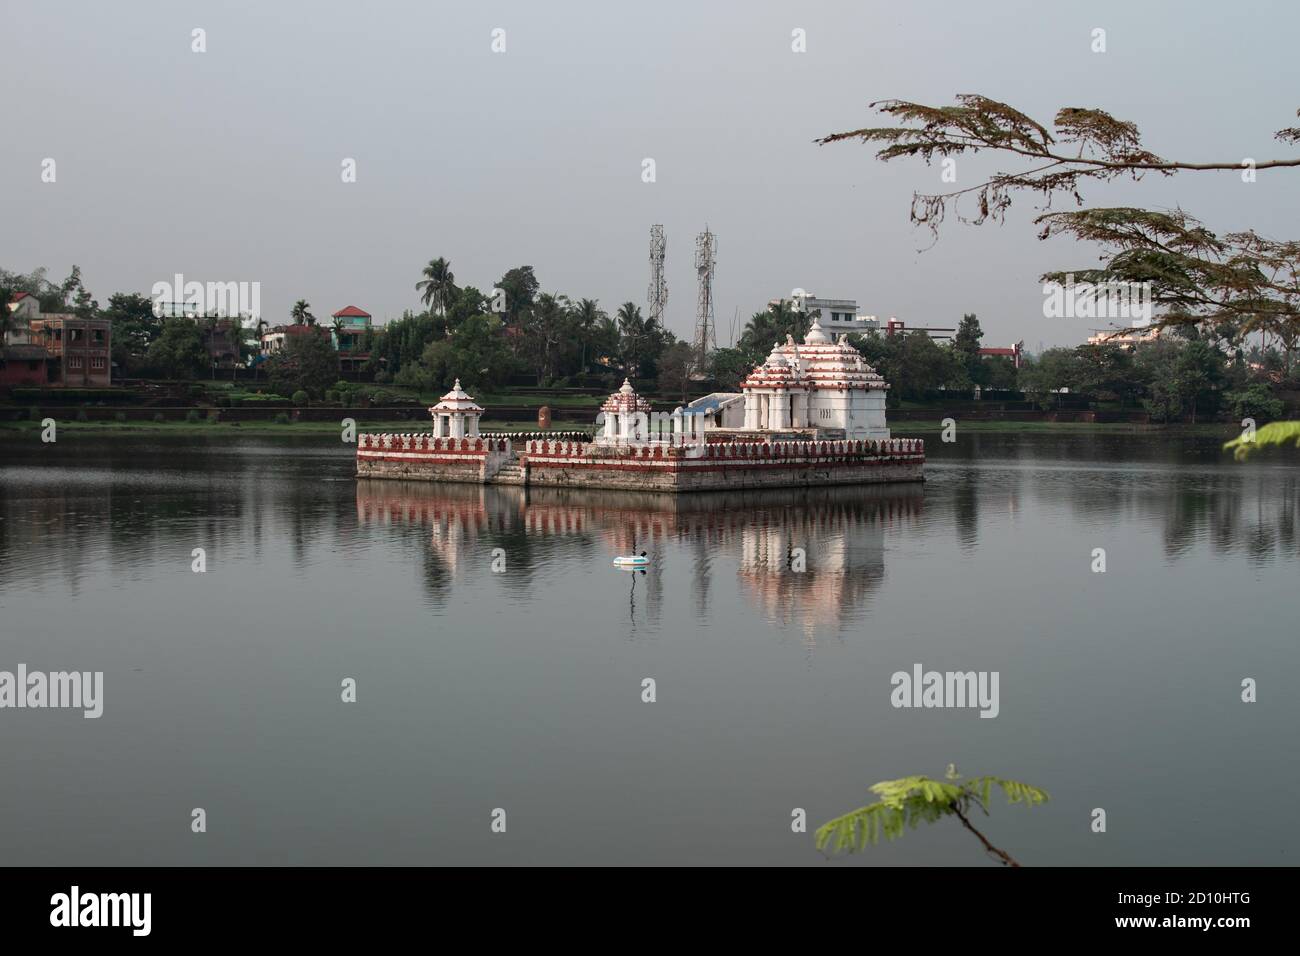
(714, 400)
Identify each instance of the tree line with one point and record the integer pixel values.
(487, 339)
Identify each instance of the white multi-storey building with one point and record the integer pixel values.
(838, 317)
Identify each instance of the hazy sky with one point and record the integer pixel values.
(225, 165)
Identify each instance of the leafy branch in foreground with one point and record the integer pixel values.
(1274, 433)
(1239, 281)
(1089, 144)
(910, 801)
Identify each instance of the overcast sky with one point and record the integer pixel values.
(225, 165)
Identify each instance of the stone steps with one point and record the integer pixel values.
(511, 473)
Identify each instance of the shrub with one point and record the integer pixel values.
(300, 398)
(331, 397)
(159, 417)
(1256, 400)
(282, 418)
(120, 416)
(382, 377)
(192, 415)
(197, 391)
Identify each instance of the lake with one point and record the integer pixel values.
(499, 658)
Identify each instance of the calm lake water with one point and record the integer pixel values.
(522, 690)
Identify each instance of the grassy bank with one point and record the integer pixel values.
(21, 429)
(921, 428)
(24, 429)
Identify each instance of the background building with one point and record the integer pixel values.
(49, 348)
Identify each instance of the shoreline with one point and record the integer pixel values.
(18, 429)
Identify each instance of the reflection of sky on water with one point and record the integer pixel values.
(521, 689)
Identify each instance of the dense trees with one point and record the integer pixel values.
(178, 350)
(134, 328)
(307, 363)
(771, 327)
(489, 339)
(1175, 378)
(519, 287)
(914, 364)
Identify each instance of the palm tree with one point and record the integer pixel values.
(338, 332)
(301, 313)
(587, 316)
(438, 285)
(631, 329)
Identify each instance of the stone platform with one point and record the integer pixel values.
(662, 467)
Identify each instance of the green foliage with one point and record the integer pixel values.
(675, 367)
(520, 286)
(1272, 434)
(1254, 400)
(282, 418)
(307, 363)
(910, 801)
(301, 313)
(477, 354)
(438, 287)
(192, 415)
(35, 283)
(772, 327)
(729, 368)
(178, 350)
(966, 349)
(641, 341)
(301, 398)
(134, 328)
(404, 340)
(913, 364)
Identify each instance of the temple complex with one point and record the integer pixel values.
(812, 415)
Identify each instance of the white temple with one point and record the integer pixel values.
(820, 384)
(455, 415)
(626, 417)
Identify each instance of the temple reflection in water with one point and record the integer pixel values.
(806, 558)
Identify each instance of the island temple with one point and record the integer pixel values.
(813, 414)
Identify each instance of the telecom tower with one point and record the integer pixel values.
(658, 294)
(706, 257)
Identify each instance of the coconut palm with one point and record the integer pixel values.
(338, 332)
(301, 313)
(587, 316)
(438, 285)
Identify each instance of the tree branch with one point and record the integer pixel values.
(1001, 855)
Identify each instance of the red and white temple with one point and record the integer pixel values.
(814, 416)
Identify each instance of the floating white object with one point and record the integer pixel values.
(632, 561)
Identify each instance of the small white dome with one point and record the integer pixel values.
(816, 336)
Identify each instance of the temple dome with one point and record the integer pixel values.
(625, 400)
(816, 335)
(457, 400)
